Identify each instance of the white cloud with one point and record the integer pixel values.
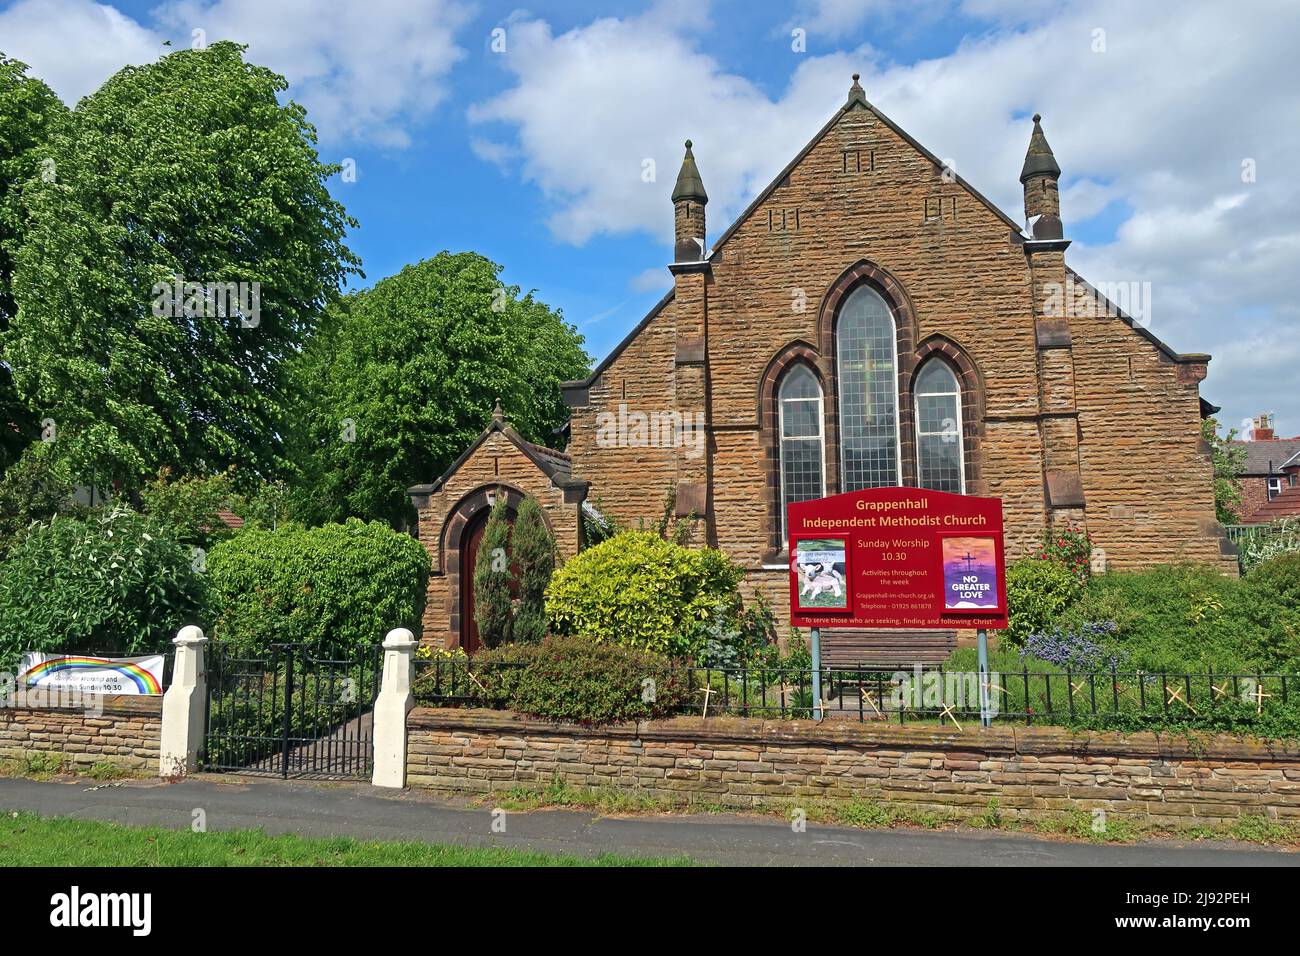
(1160, 121)
(656, 279)
(74, 45)
(363, 70)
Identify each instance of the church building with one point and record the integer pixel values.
(870, 320)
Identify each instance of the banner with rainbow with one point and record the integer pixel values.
(92, 675)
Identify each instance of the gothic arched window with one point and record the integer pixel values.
(866, 352)
(803, 466)
(939, 439)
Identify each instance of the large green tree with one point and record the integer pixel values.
(403, 376)
(29, 113)
(189, 167)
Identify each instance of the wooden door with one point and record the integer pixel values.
(469, 641)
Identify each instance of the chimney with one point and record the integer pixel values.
(1264, 428)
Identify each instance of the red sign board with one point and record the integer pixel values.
(897, 558)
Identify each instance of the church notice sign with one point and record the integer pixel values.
(897, 558)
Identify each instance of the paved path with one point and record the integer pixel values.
(358, 810)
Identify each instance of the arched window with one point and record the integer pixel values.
(803, 466)
(866, 355)
(939, 440)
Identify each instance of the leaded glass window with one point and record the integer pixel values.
(940, 464)
(867, 356)
(802, 438)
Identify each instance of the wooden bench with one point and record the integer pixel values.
(844, 650)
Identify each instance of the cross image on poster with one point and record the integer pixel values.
(970, 574)
(821, 574)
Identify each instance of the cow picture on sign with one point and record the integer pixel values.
(821, 579)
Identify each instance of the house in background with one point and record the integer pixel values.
(1270, 480)
(871, 320)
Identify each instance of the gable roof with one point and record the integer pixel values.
(554, 464)
(1269, 457)
(857, 100)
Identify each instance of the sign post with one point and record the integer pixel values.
(986, 717)
(817, 672)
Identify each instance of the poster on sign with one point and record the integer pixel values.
(897, 558)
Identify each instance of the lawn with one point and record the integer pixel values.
(27, 839)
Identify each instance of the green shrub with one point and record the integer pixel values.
(340, 586)
(1039, 590)
(492, 604)
(577, 679)
(36, 487)
(1273, 592)
(1270, 541)
(532, 551)
(642, 591)
(112, 582)
(1184, 618)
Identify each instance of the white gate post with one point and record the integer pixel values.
(184, 706)
(394, 702)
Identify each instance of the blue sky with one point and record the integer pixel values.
(533, 156)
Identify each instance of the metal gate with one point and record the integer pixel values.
(292, 711)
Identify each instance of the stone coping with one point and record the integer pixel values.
(141, 705)
(1002, 739)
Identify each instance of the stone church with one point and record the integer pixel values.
(869, 320)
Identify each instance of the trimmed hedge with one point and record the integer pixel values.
(639, 590)
(340, 587)
(112, 582)
(579, 680)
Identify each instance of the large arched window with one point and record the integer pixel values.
(866, 352)
(803, 466)
(939, 439)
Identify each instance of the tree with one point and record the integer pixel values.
(29, 112)
(1229, 459)
(532, 553)
(403, 376)
(192, 506)
(493, 612)
(35, 488)
(189, 167)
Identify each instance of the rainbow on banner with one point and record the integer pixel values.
(124, 675)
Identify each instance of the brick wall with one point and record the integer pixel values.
(1168, 780)
(126, 734)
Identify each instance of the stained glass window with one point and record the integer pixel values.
(866, 353)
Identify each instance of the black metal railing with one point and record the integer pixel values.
(291, 710)
(928, 693)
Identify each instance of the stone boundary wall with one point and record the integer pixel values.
(1032, 771)
(126, 734)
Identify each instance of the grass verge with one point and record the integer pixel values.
(27, 839)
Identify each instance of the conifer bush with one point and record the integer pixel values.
(493, 611)
(532, 549)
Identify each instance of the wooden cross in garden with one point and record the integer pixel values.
(1220, 691)
(1259, 698)
(706, 691)
(947, 712)
(1177, 695)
